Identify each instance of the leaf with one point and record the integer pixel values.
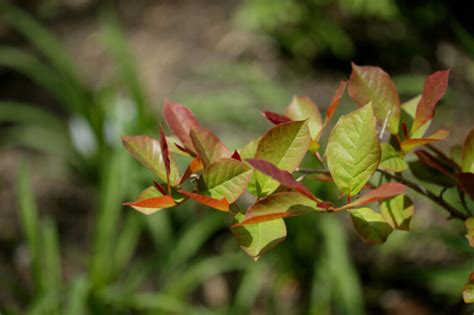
(408, 115)
(148, 152)
(398, 211)
(410, 144)
(370, 225)
(275, 118)
(353, 150)
(150, 201)
(468, 290)
(303, 108)
(193, 167)
(469, 223)
(181, 120)
(435, 163)
(278, 205)
(249, 150)
(335, 101)
(221, 204)
(284, 146)
(467, 155)
(382, 192)
(426, 174)
(227, 178)
(391, 159)
(372, 84)
(165, 153)
(281, 176)
(466, 181)
(433, 90)
(236, 156)
(208, 146)
(258, 239)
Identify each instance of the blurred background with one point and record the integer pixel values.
(77, 74)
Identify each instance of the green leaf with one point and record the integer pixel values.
(285, 146)
(468, 290)
(279, 205)
(208, 146)
(469, 223)
(391, 159)
(425, 173)
(227, 178)
(397, 211)
(353, 150)
(370, 225)
(408, 116)
(303, 108)
(148, 152)
(258, 239)
(468, 153)
(372, 84)
(249, 150)
(410, 144)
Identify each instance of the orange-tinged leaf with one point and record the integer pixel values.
(372, 84)
(283, 177)
(181, 120)
(275, 118)
(208, 146)
(410, 144)
(467, 154)
(433, 90)
(193, 167)
(219, 204)
(151, 205)
(382, 192)
(335, 101)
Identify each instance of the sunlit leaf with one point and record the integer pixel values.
(468, 290)
(284, 146)
(303, 108)
(151, 201)
(278, 205)
(410, 144)
(372, 84)
(218, 204)
(249, 150)
(148, 152)
(370, 225)
(258, 239)
(408, 115)
(467, 156)
(181, 120)
(391, 159)
(382, 192)
(227, 178)
(469, 223)
(281, 176)
(208, 146)
(193, 167)
(275, 118)
(353, 150)
(466, 181)
(397, 211)
(433, 90)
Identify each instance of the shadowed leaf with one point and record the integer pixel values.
(370, 225)
(384, 191)
(236, 156)
(397, 211)
(181, 120)
(467, 155)
(372, 84)
(208, 146)
(466, 181)
(435, 163)
(221, 204)
(410, 144)
(469, 223)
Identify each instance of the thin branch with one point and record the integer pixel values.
(311, 171)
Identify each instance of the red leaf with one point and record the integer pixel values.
(283, 177)
(187, 151)
(335, 100)
(382, 192)
(155, 203)
(221, 204)
(410, 144)
(466, 181)
(193, 167)
(208, 146)
(276, 118)
(434, 163)
(159, 187)
(236, 156)
(433, 90)
(165, 153)
(181, 120)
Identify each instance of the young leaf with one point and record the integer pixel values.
(249, 150)
(281, 176)
(370, 225)
(353, 150)
(219, 204)
(148, 152)
(468, 290)
(258, 239)
(165, 153)
(408, 116)
(275, 118)
(372, 84)
(284, 146)
(208, 146)
(335, 101)
(193, 167)
(467, 155)
(303, 108)
(226, 178)
(398, 211)
(391, 159)
(278, 205)
(433, 90)
(410, 144)
(236, 156)
(150, 201)
(385, 191)
(466, 181)
(469, 223)
(181, 120)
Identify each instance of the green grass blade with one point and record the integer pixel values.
(76, 301)
(249, 288)
(127, 240)
(18, 112)
(50, 258)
